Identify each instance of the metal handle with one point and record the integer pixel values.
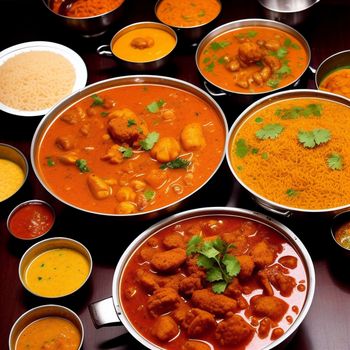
(213, 93)
(104, 50)
(286, 213)
(103, 313)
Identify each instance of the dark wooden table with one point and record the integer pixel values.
(326, 327)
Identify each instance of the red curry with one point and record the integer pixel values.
(131, 149)
(171, 295)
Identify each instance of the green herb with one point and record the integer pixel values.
(222, 60)
(201, 13)
(335, 161)
(97, 100)
(273, 83)
(248, 35)
(313, 138)
(296, 112)
(148, 143)
(289, 43)
(269, 131)
(155, 106)
(127, 152)
(217, 45)
(213, 256)
(131, 122)
(50, 161)
(82, 165)
(284, 70)
(206, 60)
(280, 53)
(255, 150)
(149, 195)
(265, 156)
(259, 120)
(104, 114)
(186, 18)
(210, 67)
(178, 163)
(242, 148)
(291, 193)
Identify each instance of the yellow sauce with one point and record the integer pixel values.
(57, 272)
(49, 333)
(162, 44)
(338, 82)
(11, 178)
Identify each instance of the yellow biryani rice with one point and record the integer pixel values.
(35, 80)
(11, 178)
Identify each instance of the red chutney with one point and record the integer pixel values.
(31, 220)
(174, 306)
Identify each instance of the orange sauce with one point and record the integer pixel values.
(337, 82)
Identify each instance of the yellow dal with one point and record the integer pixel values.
(11, 178)
(57, 272)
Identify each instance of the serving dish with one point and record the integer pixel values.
(71, 56)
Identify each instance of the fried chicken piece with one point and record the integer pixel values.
(247, 266)
(179, 314)
(189, 284)
(65, 143)
(147, 280)
(268, 306)
(262, 254)
(165, 328)
(163, 300)
(168, 260)
(249, 52)
(174, 240)
(198, 322)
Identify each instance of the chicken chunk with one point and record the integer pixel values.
(192, 138)
(165, 328)
(147, 280)
(273, 62)
(168, 260)
(264, 327)
(217, 304)
(166, 149)
(98, 187)
(73, 116)
(249, 52)
(65, 143)
(113, 155)
(68, 158)
(125, 207)
(125, 126)
(163, 300)
(263, 254)
(198, 322)
(195, 345)
(175, 240)
(189, 284)
(233, 330)
(268, 306)
(247, 266)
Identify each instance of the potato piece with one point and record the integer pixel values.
(125, 208)
(98, 187)
(166, 149)
(68, 158)
(192, 138)
(156, 178)
(125, 194)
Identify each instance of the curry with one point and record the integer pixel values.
(131, 149)
(337, 81)
(213, 282)
(253, 59)
(11, 178)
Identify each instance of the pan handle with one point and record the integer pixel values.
(104, 50)
(103, 313)
(212, 92)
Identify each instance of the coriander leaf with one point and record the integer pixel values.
(310, 139)
(82, 165)
(222, 60)
(219, 287)
(104, 114)
(335, 161)
(214, 274)
(242, 148)
(205, 262)
(283, 70)
(321, 136)
(50, 161)
(269, 131)
(149, 195)
(255, 150)
(201, 13)
(287, 42)
(97, 100)
(281, 52)
(216, 45)
(193, 244)
(148, 143)
(296, 111)
(127, 152)
(291, 193)
(210, 67)
(208, 250)
(273, 83)
(259, 120)
(265, 156)
(178, 163)
(252, 34)
(206, 60)
(154, 106)
(131, 122)
(232, 265)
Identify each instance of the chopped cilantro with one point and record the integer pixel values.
(265, 156)
(82, 165)
(178, 163)
(154, 106)
(242, 148)
(296, 112)
(281, 52)
(222, 60)
(310, 139)
(206, 60)
(104, 114)
(217, 45)
(201, 13)
(259, 120)
(273, 83)
(50, 161)
(269, 131)
(149, 195)
(289, 43)
(127, 152)
(291, 193)
(284, 70)
(97, 100)
(248, 35)
(335, 161)
(210, 67)
(131, 122)
(148, 143)
(255, 150)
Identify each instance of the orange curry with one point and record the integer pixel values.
(131, 149)
(174, 294)
(253, 59)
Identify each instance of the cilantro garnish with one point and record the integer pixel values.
(154, 106)
(269, 131)
(131, 122)
(220, 266)
(248, 35)
(217, 45)
(149, 195)
(82, 165)
(289, 43)
(201, 13)
(104, 114)
(210, 67)
(296, 112)
(291, 193)
(127, 152)
(148, 143)
(265, 156)
(313, 138)
(335, 161)
(259, 120)
(178, 163)
(50, 161)
(242, 148)
(97, 100)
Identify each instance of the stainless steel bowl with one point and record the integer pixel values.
(339, 220)
(106, 50)
(43, 311)
(248, 97)
(88, 26)
(264, 202)
(110, 311)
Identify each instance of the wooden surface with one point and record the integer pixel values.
(326, 327)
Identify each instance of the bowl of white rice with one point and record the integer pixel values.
(37, 75)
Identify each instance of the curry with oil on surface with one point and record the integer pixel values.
(337, 81)
(131, 149)
(253, 59)
(219, 280)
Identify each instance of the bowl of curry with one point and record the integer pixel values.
(130, 146)
(252, 57)
(213, 278)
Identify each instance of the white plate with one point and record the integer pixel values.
(70, 55)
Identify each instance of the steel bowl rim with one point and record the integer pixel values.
(314, 2)
(288, 234)
(253, 22)
(136, 79)
(251, 107)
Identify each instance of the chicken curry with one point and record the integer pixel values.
(131, 149)
(213, 282)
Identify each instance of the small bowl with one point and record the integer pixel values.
(40, 312)
(29, 261)
(338, 223)
(331, 64)
(89, 26)
(192, 34)
(289, 12)
(149, 64)
(14, 155)
(31, 219)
